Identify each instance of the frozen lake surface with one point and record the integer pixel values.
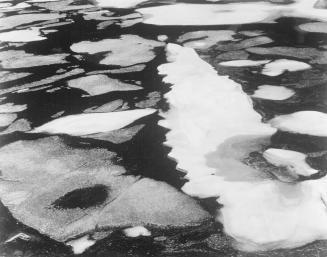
(163, 128)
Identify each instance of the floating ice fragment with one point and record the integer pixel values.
(273, 92)
(30, 60)
(68, 192)
(7, 118)
(316, 27)
(303, 122)
(15, 7)
(211, 139)
(6, 76)
(101, 84)
(205, 38)
(231, 13)
(16, 20)
(312, 54)
(21, 125)
(292, 160)
(91, 123)
(108, 107)
(244, 63)
(124, 51)
(119, 3)
(22, 236)
(136, 231)
(26, 35)
(278, 67)
(206, 14)
(10, 108)
(118, 136)
(246, 43)
(81, 244)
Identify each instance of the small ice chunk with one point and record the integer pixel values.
(205, 38)
(21, 235)
(119, 3)
(108, 107)
(292, 160)
(316, 27)
(101, 84)
(278, 67)
(303, 122)
(10, 108)
(244, 63)
(81, 244)
(7, 118)
(162, 38)
(273, 92)
(24, 35)
(136, 231)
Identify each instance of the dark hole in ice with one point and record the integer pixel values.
(82, 198)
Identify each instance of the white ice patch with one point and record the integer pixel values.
(25, 35)
(292, 160)
(124, 51)
(119, 3)
(273, 92)
(136, 231)
(231, 13)
(303, 122)
(212, 128)
(41, 1)
(11, 108)
(101, 84)
(244, 63)
(81, 244)
(316, 27)
(205, 38)
(91, 123)
(278, 67)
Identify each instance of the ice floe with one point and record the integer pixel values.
(316, 27)
(210, 140)
(303, 122)
(7, 118)
(38, 191)
(91, 123)
(246, 43)
(278, 67)
(292, 160)
(119, 3)
(21, 125)
(124, 51)
(101, 84)
(17, 20)
(231, 13)
(118, 136)
(6, 76)
(311, 54)
(43, 82)
(10, 108)
(23, 60)
(81, 244)
(108, 107)
(136, 231)
(273, 92)
(26, 35)
(244, 63)
(205, 38)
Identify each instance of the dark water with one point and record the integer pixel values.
(145, 154)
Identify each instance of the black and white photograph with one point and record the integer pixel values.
(163, 128)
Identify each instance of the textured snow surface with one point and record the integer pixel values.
(210, 138)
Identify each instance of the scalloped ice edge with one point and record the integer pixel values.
(213, 126)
